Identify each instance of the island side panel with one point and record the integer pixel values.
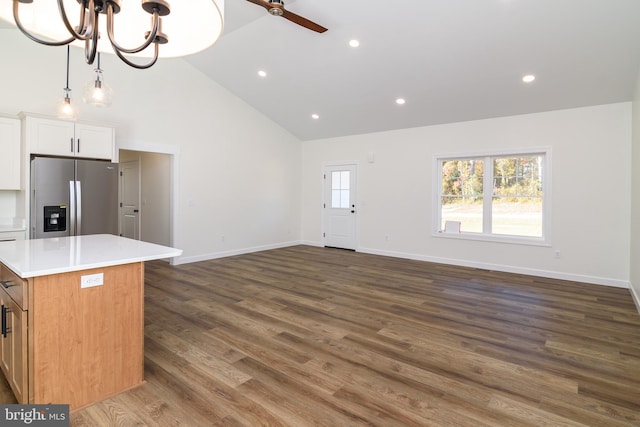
(86, 343)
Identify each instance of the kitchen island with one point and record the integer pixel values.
(73, 316)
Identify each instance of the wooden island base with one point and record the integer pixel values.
(73, 316)
(85, 344)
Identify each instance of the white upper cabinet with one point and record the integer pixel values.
(9, 154)
(53, 137)
(69, 139)
(95, 142)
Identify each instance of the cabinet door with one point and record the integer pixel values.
(94, 142)
(14, 347)
(54, 137)
(5, 347)
(9, 154)
(10, 236)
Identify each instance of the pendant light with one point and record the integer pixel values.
(97, 92)
(66, 109)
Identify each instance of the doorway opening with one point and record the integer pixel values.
(148, 177)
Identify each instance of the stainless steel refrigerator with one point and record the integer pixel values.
(72, 197)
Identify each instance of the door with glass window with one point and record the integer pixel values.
(339, 208)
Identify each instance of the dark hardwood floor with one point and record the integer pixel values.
(307, 336)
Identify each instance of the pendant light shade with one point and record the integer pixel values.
(139, 29)
(97, 92)
(66, 109)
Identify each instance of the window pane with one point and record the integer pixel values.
(344, 180)
(340, 199)
(461, 199)
(335, 198)
(335, 180)
(519, 218)
(516, 177)
(516, 207)
(344, 199)
(468, 212)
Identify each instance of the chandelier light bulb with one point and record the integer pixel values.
(97, 92)
(66, 109)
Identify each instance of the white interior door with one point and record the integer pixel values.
(339, 209)
(130, 199)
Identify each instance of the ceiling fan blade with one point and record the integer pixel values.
(301, 21)
(264, 4)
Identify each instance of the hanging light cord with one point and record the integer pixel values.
(98, 83)
(67, 90)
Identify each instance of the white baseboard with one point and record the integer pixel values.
(216, 255)
(311, 243)
(450, 261)
(505, 268)
(635, 296)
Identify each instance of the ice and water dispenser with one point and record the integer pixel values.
(55, 218)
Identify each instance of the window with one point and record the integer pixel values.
(340, 189)
(494, 197)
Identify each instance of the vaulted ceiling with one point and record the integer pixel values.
(451, 60)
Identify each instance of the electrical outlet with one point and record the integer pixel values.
(556, 254)
(91, 280)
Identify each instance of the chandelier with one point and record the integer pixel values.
(154, 30)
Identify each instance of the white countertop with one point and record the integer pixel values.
(42, 257)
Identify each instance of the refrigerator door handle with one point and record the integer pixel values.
(72, 208)
(78, 209)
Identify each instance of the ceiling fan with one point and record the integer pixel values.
(276, 8)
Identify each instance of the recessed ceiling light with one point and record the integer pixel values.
(528, 78)
(354, 43)
(262, 73)
(315, 116)
(400, 101)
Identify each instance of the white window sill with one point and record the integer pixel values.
(531, 241)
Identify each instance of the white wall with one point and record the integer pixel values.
(635, 200)
(590, 224)
(7, 207)
(241, 185)
(238, 172)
